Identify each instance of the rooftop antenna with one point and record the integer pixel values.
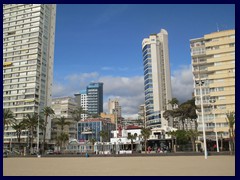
(217, 27)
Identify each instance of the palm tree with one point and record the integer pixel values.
(47, 112)
(8, 118)
(231, 122)
(193, 134)
(104, 135)
(186, 110)
(93, 142)
(77, 113)
(63, 138)
(145, 132)
(62, 122)
(173, 135)
(132, 137)
(173, 102)
(31, 122)
(18, 127)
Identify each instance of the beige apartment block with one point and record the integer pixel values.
(213, 62)
(63, 107)
(114, 107)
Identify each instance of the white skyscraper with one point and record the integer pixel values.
(28, 54)
(81, 99)
(157, 80)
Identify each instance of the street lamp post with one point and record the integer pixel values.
(215, 125)
(200, 83)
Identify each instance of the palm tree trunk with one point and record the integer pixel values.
(183, 124)
(221, 143)
(145, 144)
(193, 144)
(31, 140)
(172, 143)
(233, 139)
(44, 135)
(19, 139)
(131, 145)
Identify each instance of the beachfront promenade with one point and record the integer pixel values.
(120, 166)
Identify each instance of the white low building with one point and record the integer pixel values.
(161, 133)
(121, 141)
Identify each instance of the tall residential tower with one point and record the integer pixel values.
(95, 98)
(213, 62)
(28, 54)
(157, 80)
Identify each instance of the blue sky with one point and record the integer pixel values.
(103, 43)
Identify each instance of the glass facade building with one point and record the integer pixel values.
(90, 129)
(157, 81)
(95, 98)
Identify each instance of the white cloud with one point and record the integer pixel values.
(73, 83)
(182, 83)
(129, 90)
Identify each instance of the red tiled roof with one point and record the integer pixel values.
(133, 127)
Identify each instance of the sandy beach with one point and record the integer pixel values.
(121, 166)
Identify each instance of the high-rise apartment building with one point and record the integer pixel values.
(157, 80)
(114, 107)
(95, 98)
(28, 54)
(142, 113)
(213, 63)
(63, 107)
(81, 99)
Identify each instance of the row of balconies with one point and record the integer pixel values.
(221, 50)
(225, 41)
(221, 58)
(228, 74)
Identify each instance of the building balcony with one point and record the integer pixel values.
(222, 75)
(220, 42)
(220, 59)
(223, 93)
(219, 51)
(222, 84)
(221, 67)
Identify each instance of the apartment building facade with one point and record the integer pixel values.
(63, 107)
(95, 98)
(81, 99)
(28, 56)
(114, 107)
(213, 64)
(157, 80)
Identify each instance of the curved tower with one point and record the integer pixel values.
(157, 79)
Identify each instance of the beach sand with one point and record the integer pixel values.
(120, 166)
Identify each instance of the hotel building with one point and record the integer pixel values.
(157, 80)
